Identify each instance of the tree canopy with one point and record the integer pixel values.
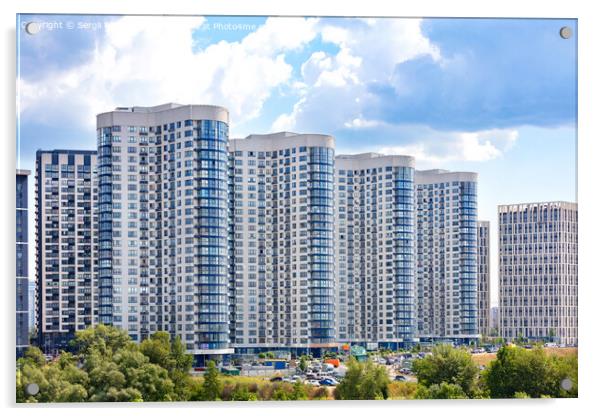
(363, 381)
(530, 372)
(448, 365)
(107, 366)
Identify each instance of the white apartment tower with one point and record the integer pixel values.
(538, 271)
(446, 255)
(66, 245)
(163, 214)
(484, 303)
(374, 249)
(281, 236)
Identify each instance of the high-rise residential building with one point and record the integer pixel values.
(66, 245)
(282, 242)
(374, 249)
(483, 296)
(22, 272)
(32, 303)
(163, 217)
(538, 271)
(446, 255)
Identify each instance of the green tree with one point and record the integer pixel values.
(440, 391)
(448, 365)
(363, 381)
(299, 392)
(151, 380)
(103, 339)
(241, 394)
(172, 357)
(59, 381)
(280, 393)
(108, 366)
(518, 370)
(303, 363)
(212, 386)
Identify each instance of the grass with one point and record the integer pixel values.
(402, 390)
(486, 358)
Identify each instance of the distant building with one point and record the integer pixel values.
(66, 245)
(446, 255)
(494, 321)
(374, 250)
(32, 304)
(483, 243)
(538, 271)
(22, 265)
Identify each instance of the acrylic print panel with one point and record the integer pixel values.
(291, 208)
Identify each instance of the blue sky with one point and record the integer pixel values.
(495, 96)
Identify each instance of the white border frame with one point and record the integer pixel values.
(589, 168)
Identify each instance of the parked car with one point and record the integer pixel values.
(277, 378)
(400, 378)
(328, 382)
(312, 382)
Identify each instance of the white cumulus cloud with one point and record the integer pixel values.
(151, 60)
(337, 85)
(434, 147)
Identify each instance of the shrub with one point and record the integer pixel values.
(441, 391)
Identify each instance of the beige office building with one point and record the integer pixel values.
(538, 271)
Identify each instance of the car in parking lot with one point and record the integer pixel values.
(328, 382)
(400, 378)
(312, 382)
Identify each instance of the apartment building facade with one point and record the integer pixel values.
(538, 271)
(282, 243)
(67, 246)
(21, 263)
(374, 249)
(163, 218)
(483, 289)
(246, 245)
(446, 255)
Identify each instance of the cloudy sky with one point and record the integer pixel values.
(494, 96)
